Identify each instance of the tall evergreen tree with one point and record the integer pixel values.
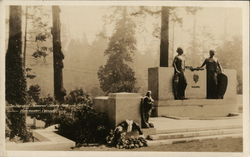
(164, 45)
(58, 56)
(117, 75)
(165, 13)
(15, 78)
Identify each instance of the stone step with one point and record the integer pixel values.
(190, 139)
(149, 131)
(194, 129)
(194, 134)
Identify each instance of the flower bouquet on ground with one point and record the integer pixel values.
(127, 135)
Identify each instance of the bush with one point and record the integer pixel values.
(34, 92)
(78, 96)
(48, 118)
(83, 125)
(46, 101)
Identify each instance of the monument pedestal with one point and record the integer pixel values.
(119, 107)
(195, 108)
(160, 81)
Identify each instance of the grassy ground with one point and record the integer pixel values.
(213, 145)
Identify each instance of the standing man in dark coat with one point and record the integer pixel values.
(213, 68)
(179, 81)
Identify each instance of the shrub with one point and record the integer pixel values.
(83, 125)
(78, 96)
(34, 92)
(48, 118)
(46, 101)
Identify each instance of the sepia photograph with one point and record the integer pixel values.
(128, 77)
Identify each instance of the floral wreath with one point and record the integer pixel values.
(119, 137)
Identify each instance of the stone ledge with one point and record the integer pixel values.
(124, 95)
(196, 133)
(48, 140)
(167, 131)
(148, 131)
(194, 102)
(183, 140)
(102, 97)
(235, 116)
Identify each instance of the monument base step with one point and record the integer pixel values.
(197, 129)
(193, 130)
(190, 139)
(195, 134)
(195, 108)
(229, 116)
(148, 131)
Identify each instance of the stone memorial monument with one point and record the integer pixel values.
(127, 106)
(196, 105)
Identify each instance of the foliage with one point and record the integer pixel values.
(39, 31)
(83, 125)
(34, 95)
(192, 10)
(15, 78)
(121, 138)
(119, 78)
(116, 75)
(49, 118)
(34, 92)
(49, 100)
(199, 46)
(16, 127)
(230, 56)
(78, 96)
(39, 54)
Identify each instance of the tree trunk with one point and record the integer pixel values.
(173, 42)
(194, 35)
(25, 36)
(15, 79)
(59, 91)
(164, 53)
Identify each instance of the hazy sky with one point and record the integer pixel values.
(79, 20)
(88, 20)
